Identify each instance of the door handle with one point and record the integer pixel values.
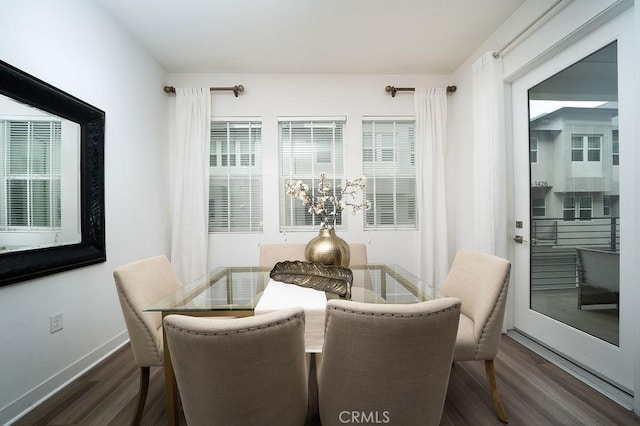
(519, 239)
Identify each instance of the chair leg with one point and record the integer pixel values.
(142, 395)
(493, 388)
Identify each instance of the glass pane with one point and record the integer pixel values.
(575, 248)
(389, 164)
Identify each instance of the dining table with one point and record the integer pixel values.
(240, 291)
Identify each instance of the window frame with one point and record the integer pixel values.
(534, 152)
(539, 207)
(577, 208)
(224, 159)
(585, 151)
(374, 152)
(53, 177)
(292, 212)
(615, 147)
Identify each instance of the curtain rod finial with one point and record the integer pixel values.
(237, 89)
(392, 90)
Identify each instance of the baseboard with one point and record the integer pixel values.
(613, 392)
(21, 406)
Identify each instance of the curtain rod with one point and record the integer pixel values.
(235, 89)
(393, 90)
(497, 53)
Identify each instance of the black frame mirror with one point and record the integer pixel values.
(33, 263)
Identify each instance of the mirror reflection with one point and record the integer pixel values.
(39, 178)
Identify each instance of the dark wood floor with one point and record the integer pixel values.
(534, 392)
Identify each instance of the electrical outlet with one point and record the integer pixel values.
(55, 322)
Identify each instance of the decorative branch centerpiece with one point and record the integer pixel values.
(327, 204)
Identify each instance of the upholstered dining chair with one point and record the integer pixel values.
(240, 371)
(388, 362)
(481, 282)
(270, 254)
(358, 254)
(139, 284)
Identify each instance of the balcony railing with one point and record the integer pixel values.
(554, 240)
(601, 232)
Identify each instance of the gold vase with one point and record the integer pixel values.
(328, 249)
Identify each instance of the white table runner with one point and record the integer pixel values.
(278, 295)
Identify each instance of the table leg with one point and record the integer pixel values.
(313, 412)
(171, 386)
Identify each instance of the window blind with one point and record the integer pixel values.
(389, 157)
(308, 147)
(235, 186)
(30, 172)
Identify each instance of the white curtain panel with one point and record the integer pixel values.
(489, 157)
(190, 193)
(430, 108)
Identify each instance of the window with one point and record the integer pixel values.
(580, 207)
(585, 205)
(577, 148)
(308, 147)
(593, 148)
(591, 143)
(235, 185)
(615, 148)
(606, 205)
(533, 150)
(388, 155)
(30, 174)
(538, 207)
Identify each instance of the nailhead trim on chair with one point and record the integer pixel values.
(383, 314)
(242, 330)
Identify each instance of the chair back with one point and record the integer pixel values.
(481, 281)
(270, 254)
(358, 254)
(390, 363)
(140, 284)
(240, 371)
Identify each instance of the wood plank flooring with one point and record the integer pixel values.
(534, 392)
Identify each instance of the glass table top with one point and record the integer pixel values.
(238, 288)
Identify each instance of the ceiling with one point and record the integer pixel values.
(310, 36)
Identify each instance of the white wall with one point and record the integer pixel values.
(74, 46)
(272, 95)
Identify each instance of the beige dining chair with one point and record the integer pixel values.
(481, 282)
(270, 254)
(139, 284)
(241, 371)
(389, 362)
(358, 254)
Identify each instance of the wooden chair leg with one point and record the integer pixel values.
(493, 388)
(142, 395)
